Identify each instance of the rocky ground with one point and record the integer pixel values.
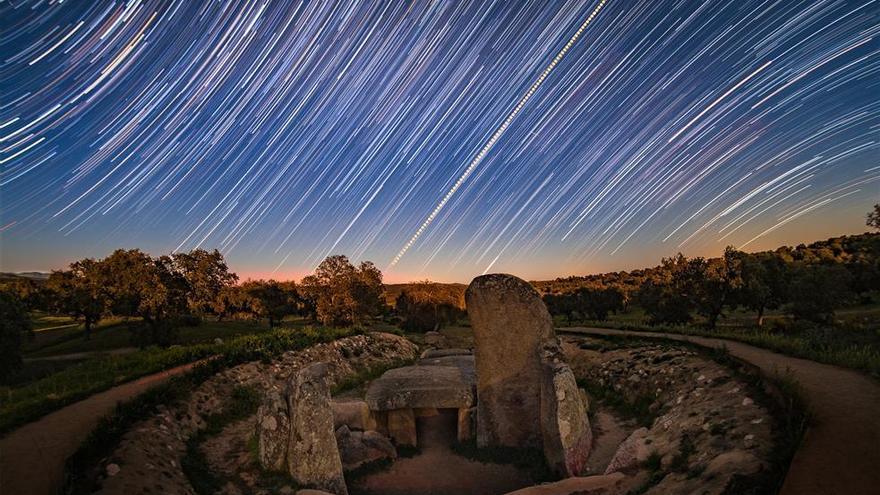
(148, 460)
(703, 433)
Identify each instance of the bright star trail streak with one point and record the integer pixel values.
(429, 136)
(498, 132)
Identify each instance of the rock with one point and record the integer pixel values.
(218, 341)
(273, 432)
(435, 339)
(357, 448)
(352, 413)
(467, 423)
(731, 461)
(510, 325)
(606, 484)
(446, 386)
(313, 457)
(113, 469)
(402, 427)
(436, 353)
(631, 454)
(566, 433)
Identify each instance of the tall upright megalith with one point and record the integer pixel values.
(510, 325)
(526, 393)
(312, 455)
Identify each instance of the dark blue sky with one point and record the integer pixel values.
(439, 134)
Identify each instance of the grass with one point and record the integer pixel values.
(29, 401)
(80, 467)
(117, 334)
(637, 409)
(366, 375)
(243, 403)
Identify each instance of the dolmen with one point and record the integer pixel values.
(442, 379)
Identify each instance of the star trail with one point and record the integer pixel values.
(437, 139)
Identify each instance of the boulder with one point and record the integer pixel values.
(352, 413)
(631, 454)
(402, 427)
(435, 353)
(607, 484)
(510, 325)
(273, 432)
(567, 437)
(422, 386)
(357, 448)
(313, 457)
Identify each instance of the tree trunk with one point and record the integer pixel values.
(88, 330)
(760, 320)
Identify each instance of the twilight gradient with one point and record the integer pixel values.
(281, 132)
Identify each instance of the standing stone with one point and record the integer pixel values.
(402, 427)
(510, 325)
(566, 430)
(527, 395)
(273, 432)
(313, 457)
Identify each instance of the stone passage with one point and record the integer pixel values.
(526, 394)
(441, 380)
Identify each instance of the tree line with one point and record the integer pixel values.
(809, 282)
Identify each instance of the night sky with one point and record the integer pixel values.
(440, 140)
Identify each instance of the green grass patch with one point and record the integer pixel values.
(364, 376)
(243, 403)
(637, 408)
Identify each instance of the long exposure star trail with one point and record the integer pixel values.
(282, 132)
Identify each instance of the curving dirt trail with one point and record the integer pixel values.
(32, 457)
(840, 453)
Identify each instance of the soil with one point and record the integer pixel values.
(437, 470)
(609, 431)
(839, 453)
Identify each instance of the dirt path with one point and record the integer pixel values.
(437, 470)
(840, 453)
(32, 457)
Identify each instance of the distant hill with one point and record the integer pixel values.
(6, 276)
(392, 291)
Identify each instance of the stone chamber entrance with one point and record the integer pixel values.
(438, 470)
